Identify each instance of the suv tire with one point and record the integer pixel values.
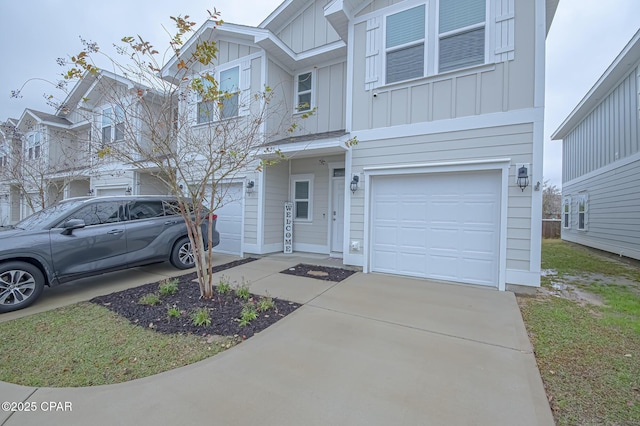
(182, 254)
(21, 284)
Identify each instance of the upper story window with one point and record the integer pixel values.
(112, 125)
(304, 92)
(461, 34)
(405, 44)
(4, 157)
(34, 146)
(435, 36)
(227, 104)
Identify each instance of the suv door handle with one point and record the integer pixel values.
(115, 231)
(171, 222)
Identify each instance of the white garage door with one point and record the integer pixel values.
(229, 223)
(102, 192)
(442, 226)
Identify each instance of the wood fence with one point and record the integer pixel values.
(551, 228)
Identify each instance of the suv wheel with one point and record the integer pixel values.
(21, 284)
(182, 254)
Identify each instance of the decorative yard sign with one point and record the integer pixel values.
(288, 227)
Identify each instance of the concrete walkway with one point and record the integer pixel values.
(371, 350)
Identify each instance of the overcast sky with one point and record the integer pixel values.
(585, 37)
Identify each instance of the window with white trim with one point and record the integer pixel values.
(112, 125)
(4, 157)
(304, 92)
(405, 36)
(566, 212)
(34, 146)
(436, 36)
(582, 212)
(214, 105)
(302, 195)
(461, 39)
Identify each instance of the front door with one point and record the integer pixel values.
(337, 210)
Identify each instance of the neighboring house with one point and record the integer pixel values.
(601, 160)
(9, 195)
(96, 104)
(43, 165)
(446, 101)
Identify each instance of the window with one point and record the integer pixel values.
(4, 157)
(304, 92)
(145, 209)
(405, 44)
(34, 146)
(112, 125)
(566, 213)
(582, 212)
(462, 34)
(229, 85)
(99, 213)
(302, 186)
(228, 103)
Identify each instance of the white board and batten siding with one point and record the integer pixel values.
(442, 226)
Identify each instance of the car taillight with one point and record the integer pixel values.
(213, 217)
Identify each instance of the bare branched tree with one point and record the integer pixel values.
(191, 130)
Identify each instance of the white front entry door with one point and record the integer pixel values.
(337, 214)
(443, 226)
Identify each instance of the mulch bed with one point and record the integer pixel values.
(224, 309)
(325, 273)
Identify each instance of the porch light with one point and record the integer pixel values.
(128, 191)
(523, 176)
(90, 193)
(250, 185)
(354, 183)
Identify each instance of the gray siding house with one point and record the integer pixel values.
(446, 101)
(601, 160)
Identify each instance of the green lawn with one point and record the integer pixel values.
(588, 355)
(87, 345)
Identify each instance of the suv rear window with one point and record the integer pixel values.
(145, 209)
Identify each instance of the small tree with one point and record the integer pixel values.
(551, 201)
(157, 114)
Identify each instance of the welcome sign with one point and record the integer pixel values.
(288, 228)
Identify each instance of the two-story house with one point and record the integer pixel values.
(445, 99)
(46, 164)
(97, 105)
(601, 160)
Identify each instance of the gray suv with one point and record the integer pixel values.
(87, 236)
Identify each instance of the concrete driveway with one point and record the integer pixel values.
(371, 350)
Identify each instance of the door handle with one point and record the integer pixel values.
(115, 231)
(171, 222)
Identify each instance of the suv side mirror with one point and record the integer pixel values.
(72, 224)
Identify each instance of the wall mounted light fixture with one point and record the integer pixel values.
(522, 176)
(90, 192)
(250, 185)
(128, 191)
(354, 183)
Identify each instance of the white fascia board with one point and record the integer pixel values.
(275, 13)
(306, 146)
(523, 116)
(339, 17)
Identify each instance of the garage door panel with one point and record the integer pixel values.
(229, 223)
(441, 226)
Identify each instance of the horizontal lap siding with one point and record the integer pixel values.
(613, 211)
(513, 142)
